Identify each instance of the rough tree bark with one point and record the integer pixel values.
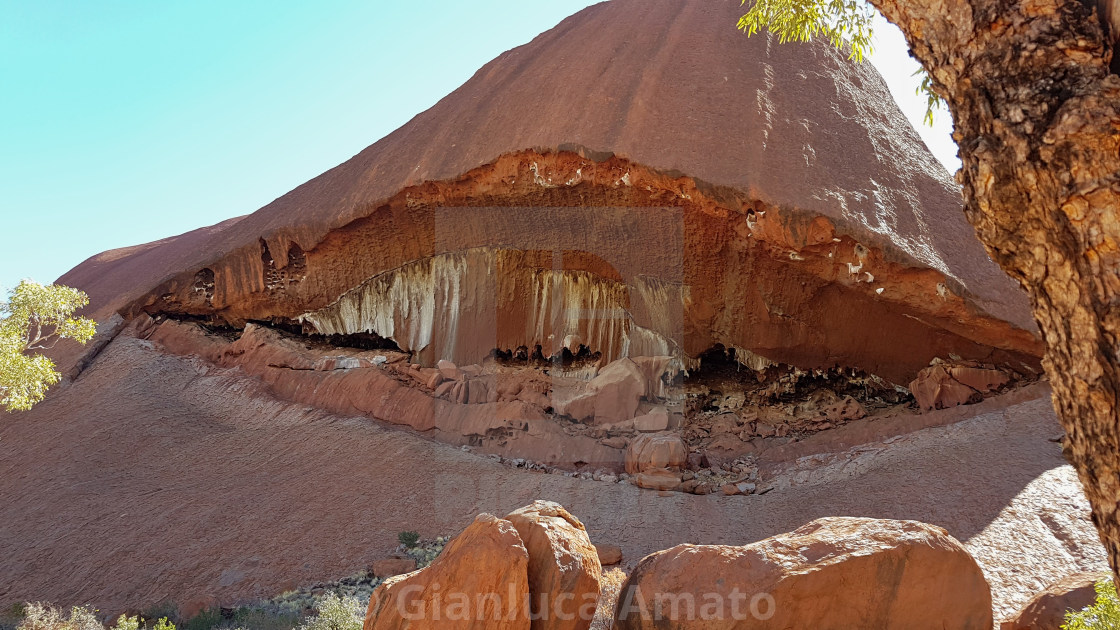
(1037, 120)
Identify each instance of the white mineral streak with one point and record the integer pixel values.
(443, 308)
(751, 360)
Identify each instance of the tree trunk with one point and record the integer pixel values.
(1037, 122)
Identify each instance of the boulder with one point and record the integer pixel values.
(432, 377)
(564, 566)
(1047, 610)
(657, 479)
(608, 554)
(612, 396)
(479, 581)
(656, 450)
(388, 567)
(652, 422)
(979, 378)
(834, 573)
(449, 370)
(942, 386)
(615, 442)
(739, 487)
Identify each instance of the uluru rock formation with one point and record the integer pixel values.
(641, 244)
(643, 179)
(639, 195)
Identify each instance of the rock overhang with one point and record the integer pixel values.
(537, 248)
(783, 147)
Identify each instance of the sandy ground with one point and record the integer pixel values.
(180, 480)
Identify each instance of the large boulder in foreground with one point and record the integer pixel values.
(1047, 610)
(478, 581)
(564, 567)
(839, 573)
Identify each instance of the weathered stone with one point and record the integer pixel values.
(845, 409)
(657, 479)
(979, 378)
(656, 420)
(834, 573)
(444, 389)
(449, 370)
(936, 388)
(564, 567)
(656, 450)
(388, 567)
(612, 396)
(479, 392)
(432, 377)
(482, 583)
(608, 554)
(615, 442)
(704, 487)
(1047, 610)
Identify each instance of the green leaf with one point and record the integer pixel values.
(34, 318)
(845, 23)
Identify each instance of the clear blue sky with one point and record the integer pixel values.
(122, 122)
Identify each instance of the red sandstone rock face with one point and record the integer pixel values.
(383, 385)
(562, 561)
(534, 569)
(662, 450)
(687, 187)
(941, 386)
(839, 573)
(608, 554)
(1047, 610)
(478, 581)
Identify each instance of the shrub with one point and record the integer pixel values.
(124, 622)
(39, 616)
(336, 613)
(11, 616)
(206, 619)
(1104, 614)
(408, 539)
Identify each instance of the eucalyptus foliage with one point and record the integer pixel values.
(847, 24)
(34, 318)
(336, 613)
(1104, 614)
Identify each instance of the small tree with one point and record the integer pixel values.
(33, 319)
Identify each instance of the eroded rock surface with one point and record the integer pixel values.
(948, 385)
(1047, 610)
(478, 581)
(836, 573)
(564, 568)
(469, 230)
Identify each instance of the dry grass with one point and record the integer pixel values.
(609, 586)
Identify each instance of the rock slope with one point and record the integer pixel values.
(157, 477)
(686, 188)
